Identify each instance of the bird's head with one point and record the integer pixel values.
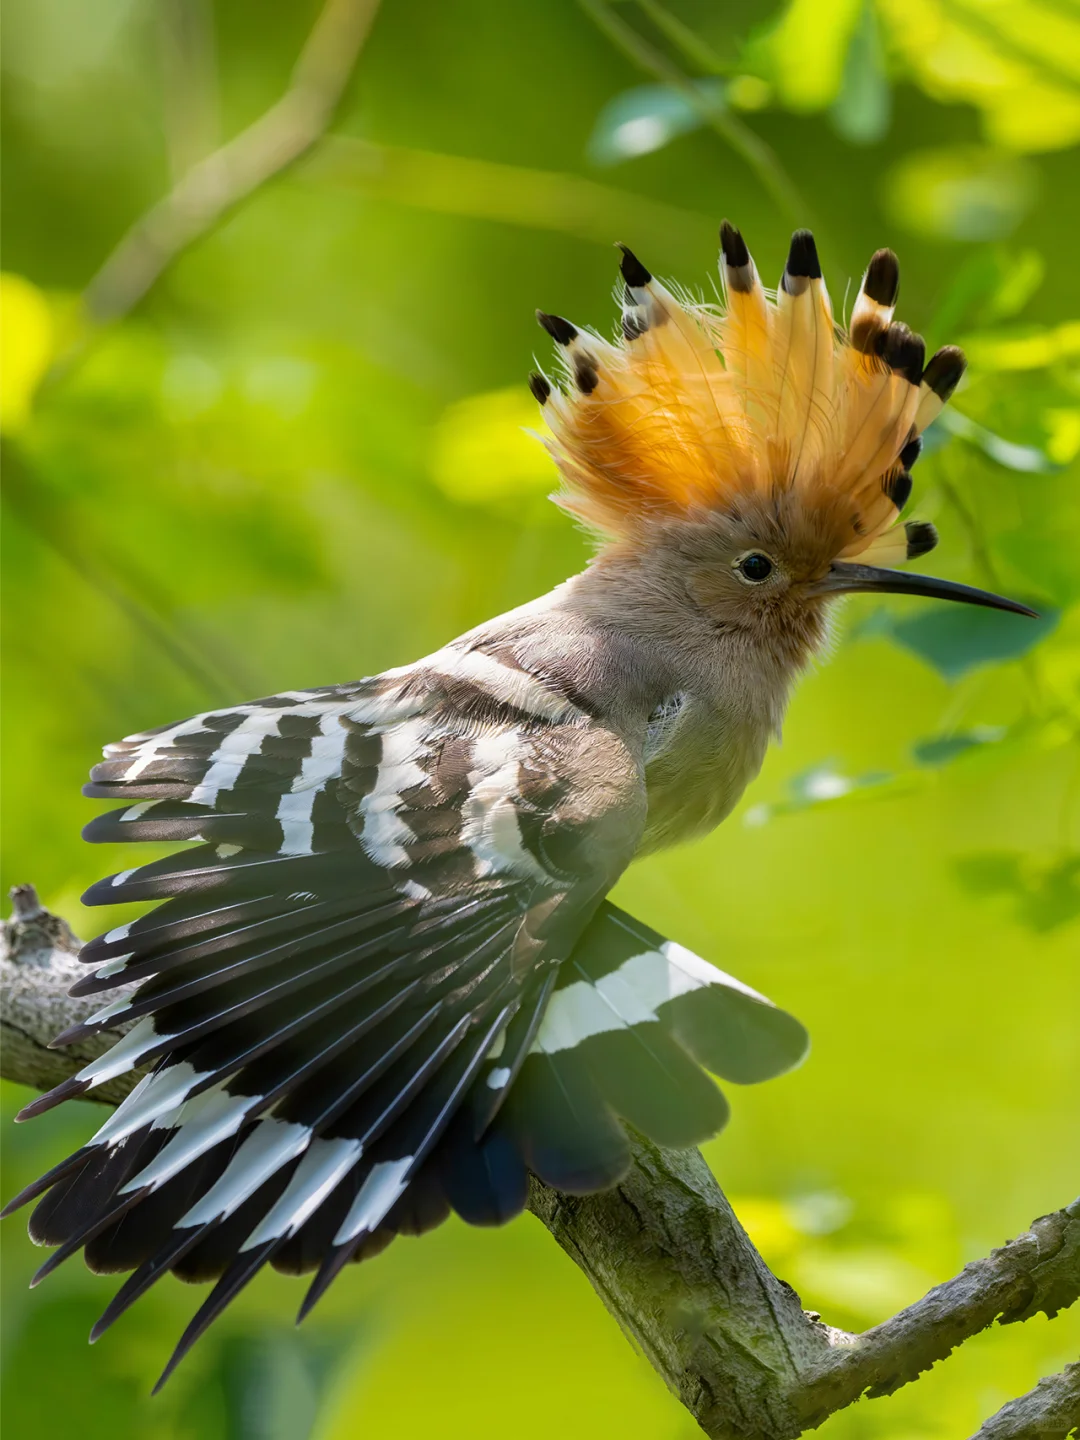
(763, 446)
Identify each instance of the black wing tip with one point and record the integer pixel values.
(245, 1266)
(79, 1031)
(944, 371)
(633, 271)
(92, 984)
(66, 1090)
(328, 1271)
(922, 537)
(540, 388)
(802, 261)
(560, 330)
(881, 282)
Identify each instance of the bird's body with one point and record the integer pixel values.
(384, 981)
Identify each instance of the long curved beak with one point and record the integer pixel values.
(848, 577)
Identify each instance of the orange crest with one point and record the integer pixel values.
(696, 404)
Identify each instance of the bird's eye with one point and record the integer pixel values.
(755, 567)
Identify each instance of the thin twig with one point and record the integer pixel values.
(1038, 1271)
(696, 50)
(760, 157)
(507, 194)
(215, 185)
(1049, 1412)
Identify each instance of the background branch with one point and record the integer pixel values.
(230, 174)
(669, 1259)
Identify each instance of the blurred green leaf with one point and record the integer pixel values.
(992, 283)
(823, 784)
(1028, 459)
(647, 118)
(960, 192)
(265, 1384)
(803, 51)
(1032, 347)
(1018, 64)
(1046, 892)
(863, 109)
(487, 449)
(958, 638)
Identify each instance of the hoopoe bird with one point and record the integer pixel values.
(384, 982)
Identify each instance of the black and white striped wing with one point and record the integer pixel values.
(378, 985)
(347, 971)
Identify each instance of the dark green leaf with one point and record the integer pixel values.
(958, 638)
(1046, 893)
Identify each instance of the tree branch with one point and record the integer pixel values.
(1049, 1412)
(215, 185)
(669, 1259)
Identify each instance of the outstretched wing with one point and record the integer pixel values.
(382, 984)
(348, 971)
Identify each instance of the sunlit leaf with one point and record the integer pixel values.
(1016, 63)
(26, 343)
(867, 1281)
(483, 451)
(958, 192)
(992, 283)
(1033, 348)
(958, 638)
(647, 118)
(803, 53)
(1063, 440)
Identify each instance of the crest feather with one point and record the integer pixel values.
(695, 405)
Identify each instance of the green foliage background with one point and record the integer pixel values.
(299, 461)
